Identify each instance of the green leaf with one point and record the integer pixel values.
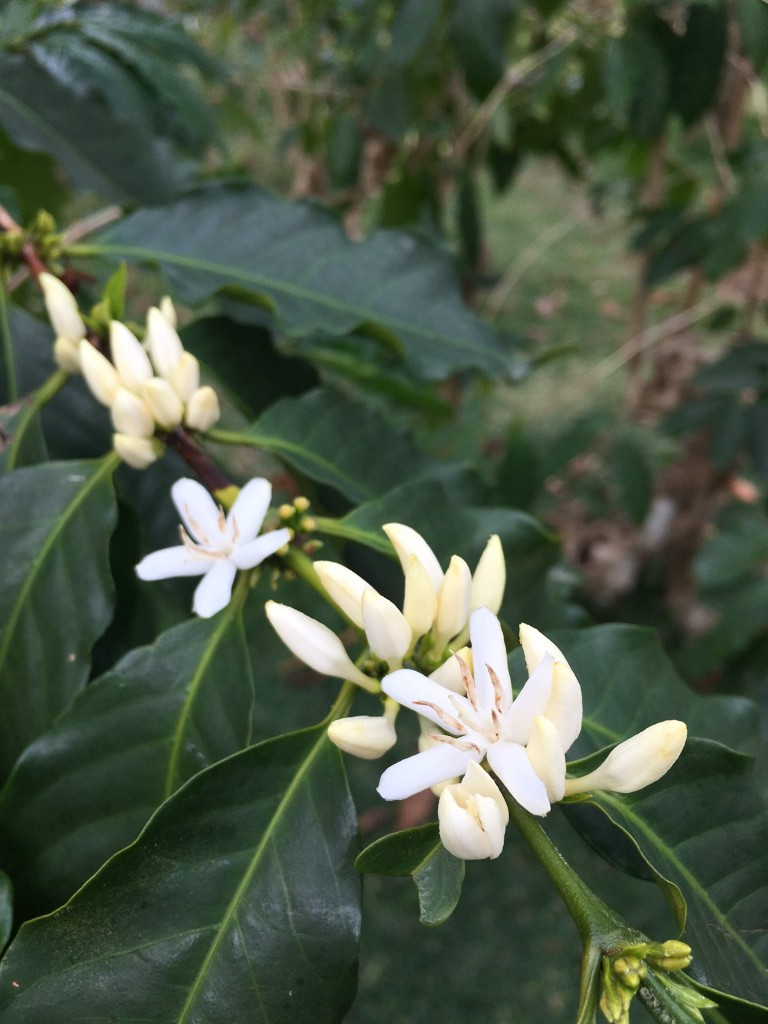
(338, 442)
(633, 476)
(21, 436)
(122, 165)
(56, 598)
(86, 788)
(688, 826)
(295, 259)
(6, 908)
(480, 32)
(418, 852)
(414, 22)
(238, 902)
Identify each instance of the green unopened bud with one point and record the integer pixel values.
(630, 971)
(286, 511)
(164, 404)
(308, 524)
(202, 409)
(672, 955)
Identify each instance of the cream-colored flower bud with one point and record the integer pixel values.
(489, 578)
(315, 644)
(66, 353)
(473, 816)
(163, 342)
(367, 736)
(536, 646)
(100, 375)
(186, 376)
(130, 359)
(203, 409)
(131, 415)
(452, 603)
(637, 762)
(164, 404)
(61, 306)
(420, 601)
(406, 542)
(168, 310)
(344, 587)
(547, 757)
(138, 452)
(451, 672)
(389, 635)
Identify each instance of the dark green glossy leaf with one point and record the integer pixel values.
(86, 788)
(338, 442)
(56, 598)
(238, 902)
(295, 260)
(418, 852)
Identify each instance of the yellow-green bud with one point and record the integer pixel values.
(630, 971)
(308, 524)
(286, 511)
(301, 504)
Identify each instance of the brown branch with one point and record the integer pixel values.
(208, 472)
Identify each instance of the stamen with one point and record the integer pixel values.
(197, 549)
(235, 530)
(469, 682)
(452, 723)
(464, 745)
(498, 691)
(196, 528)
(222, 520)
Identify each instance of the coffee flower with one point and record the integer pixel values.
(523, 739)
(473, 816)
(215, 545)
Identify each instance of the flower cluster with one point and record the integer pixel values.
(215, 545)
(146, 387)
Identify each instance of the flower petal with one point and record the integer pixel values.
(490, 577)
(344, 587)
(130, 359)
(170, 562)
(247, 556)
(426, 697)
(564, 709)
(200, 513)
(388, 633)
(215, 589)
(535, 645)
(315, 644)
(453, 603)
(406, 541)
(249, 508)
(511, 764)
(420, 600)
(546, 754)
(637, 762)
(530, 702)
(488, 649)
(438, 763)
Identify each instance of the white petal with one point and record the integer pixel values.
(215, 589)
(186, 376)
(535, 646)
(386, 628)
(406, 542)
(478, 781)
(165, 405)
(130, 359)
(511, 764)
(420, 601)
(530, 702)
(163, 342)
(201, 515)
(564, 709)
(61, 306)
(170, 562)
(247, 556)
(470, 826)
(415, 691)
(315, 644)
(441, 762)
(344, 587)
(490, 577)
(138, 452)
(130, 415)
(546, 754)
(488, 649)
(637, 762)
(100, 375)
(250, 507)
(366, 736)
(203, 409)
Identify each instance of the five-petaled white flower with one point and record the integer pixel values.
(215, 546)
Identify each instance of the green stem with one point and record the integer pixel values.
(343, 702)
(9, 356)
(47, 391)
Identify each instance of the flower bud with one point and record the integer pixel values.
(164, 404)
(100, 375)
(138, 452)
(420, 600)
(386, 628)
(406, 542)
(536, 646)
(163, 343)
(61, 306)
(130, 415)
(367, 736)
(344, 587)
(66, 353)
(637, 762)
(202, 409)
(130, 359)
(168, 310)
(473, 816)
(452, 603)
(315, 644)
(490, 577)
(186, 376)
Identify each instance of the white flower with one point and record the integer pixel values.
(215, 546)
(473, 816)
(131, 361)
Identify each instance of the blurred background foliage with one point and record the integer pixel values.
(595, 171)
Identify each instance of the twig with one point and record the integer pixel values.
(94, 222)
(522, 263)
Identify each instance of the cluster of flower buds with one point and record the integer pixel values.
(648, 965)
(433, 619)
(149, 387)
